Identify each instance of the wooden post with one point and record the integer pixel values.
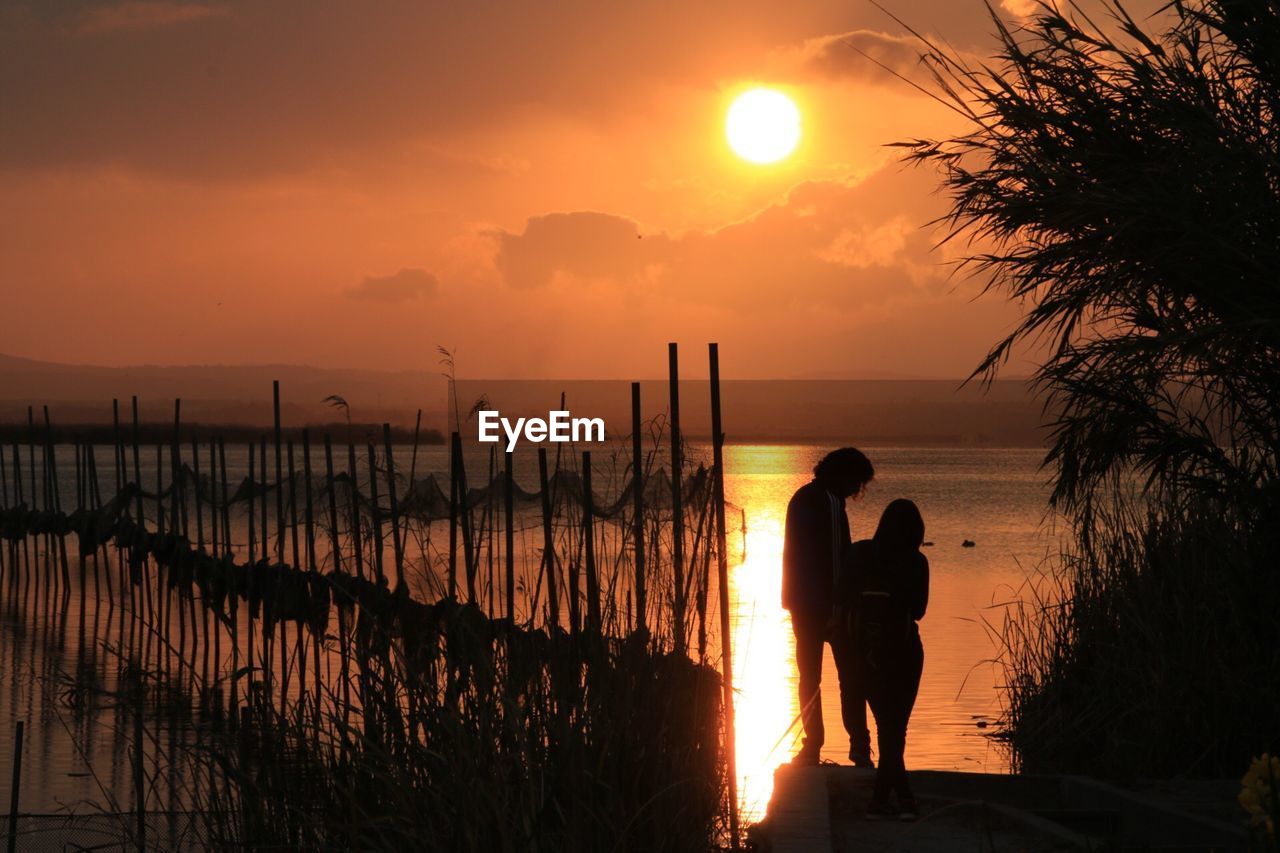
(722, 557)
(233, 594)
(93, 487)
(293, 507)
(336, 545)
(295, 567)
(140, 597)
(275, 405)
(179, 501)
(508, 498)
(251, 519)
(117, 459)
(468, 546)
(677, 503)
(453, 517)
(589, 546)
(397, 546)
(57, 501)
(548, 541)
(354, 507)
(162, 589)
(376, 517)
(637, 500)
(204, 605)
(413, 459)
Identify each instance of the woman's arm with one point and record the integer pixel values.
(920, 595)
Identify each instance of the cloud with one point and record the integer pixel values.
(143, 15)
(583, 244)
(403, 286)
(826, 243)
(858, 54)
(1021, 8)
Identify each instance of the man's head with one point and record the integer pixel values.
(844, 472)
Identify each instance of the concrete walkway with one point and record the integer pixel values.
(821, 810)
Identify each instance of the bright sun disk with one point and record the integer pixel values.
(763, 125)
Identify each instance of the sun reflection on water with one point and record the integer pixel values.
(767, 709)
(765, 681)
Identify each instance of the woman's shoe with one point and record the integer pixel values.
(908, 809)
(880, 809)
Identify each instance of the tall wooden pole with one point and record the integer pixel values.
(589, 546)
(722, 558)
(637, 498)
(677, 502)
(394, 505)
(548, 542)
(508, 507)
(453, 517)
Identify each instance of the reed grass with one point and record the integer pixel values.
(359, 705)
(1150, 650)
(1120, 179)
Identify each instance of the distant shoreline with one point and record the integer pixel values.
(151, 433)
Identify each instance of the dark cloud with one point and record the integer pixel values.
(401, 287)
(827, 243)
(583, 244)
(143, 14)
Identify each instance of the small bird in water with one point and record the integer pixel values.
(968, 543)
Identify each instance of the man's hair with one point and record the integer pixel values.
(847, 462)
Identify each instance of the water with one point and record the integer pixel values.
(77, 752)
(996, 498)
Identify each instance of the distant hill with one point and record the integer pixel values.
(871, 411)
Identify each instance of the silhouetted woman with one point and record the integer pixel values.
(883, 590)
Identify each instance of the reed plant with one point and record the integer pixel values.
(1120, 179)
(332, 675)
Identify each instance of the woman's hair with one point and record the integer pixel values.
(901, 526)
(847, 463)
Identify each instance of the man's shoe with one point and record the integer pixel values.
(908, 809)
(806, 757)
(861, 758)
(880, 809)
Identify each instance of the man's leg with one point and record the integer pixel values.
(809, 642)
(853, 701)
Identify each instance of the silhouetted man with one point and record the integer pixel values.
(816, 538)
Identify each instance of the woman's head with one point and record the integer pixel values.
(845, 472)
(901, 526)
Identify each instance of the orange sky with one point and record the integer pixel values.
(543, 186)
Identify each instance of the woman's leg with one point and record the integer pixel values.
(906, 690)
(880, 696)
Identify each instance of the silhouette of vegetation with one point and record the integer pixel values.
(152, 433)
(1121, 180)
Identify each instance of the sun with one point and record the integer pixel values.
(763, 125)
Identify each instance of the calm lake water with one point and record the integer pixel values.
(996, 498)
(76, 751)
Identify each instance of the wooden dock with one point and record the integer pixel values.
(820, 809)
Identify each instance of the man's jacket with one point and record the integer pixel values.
(816, 538)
